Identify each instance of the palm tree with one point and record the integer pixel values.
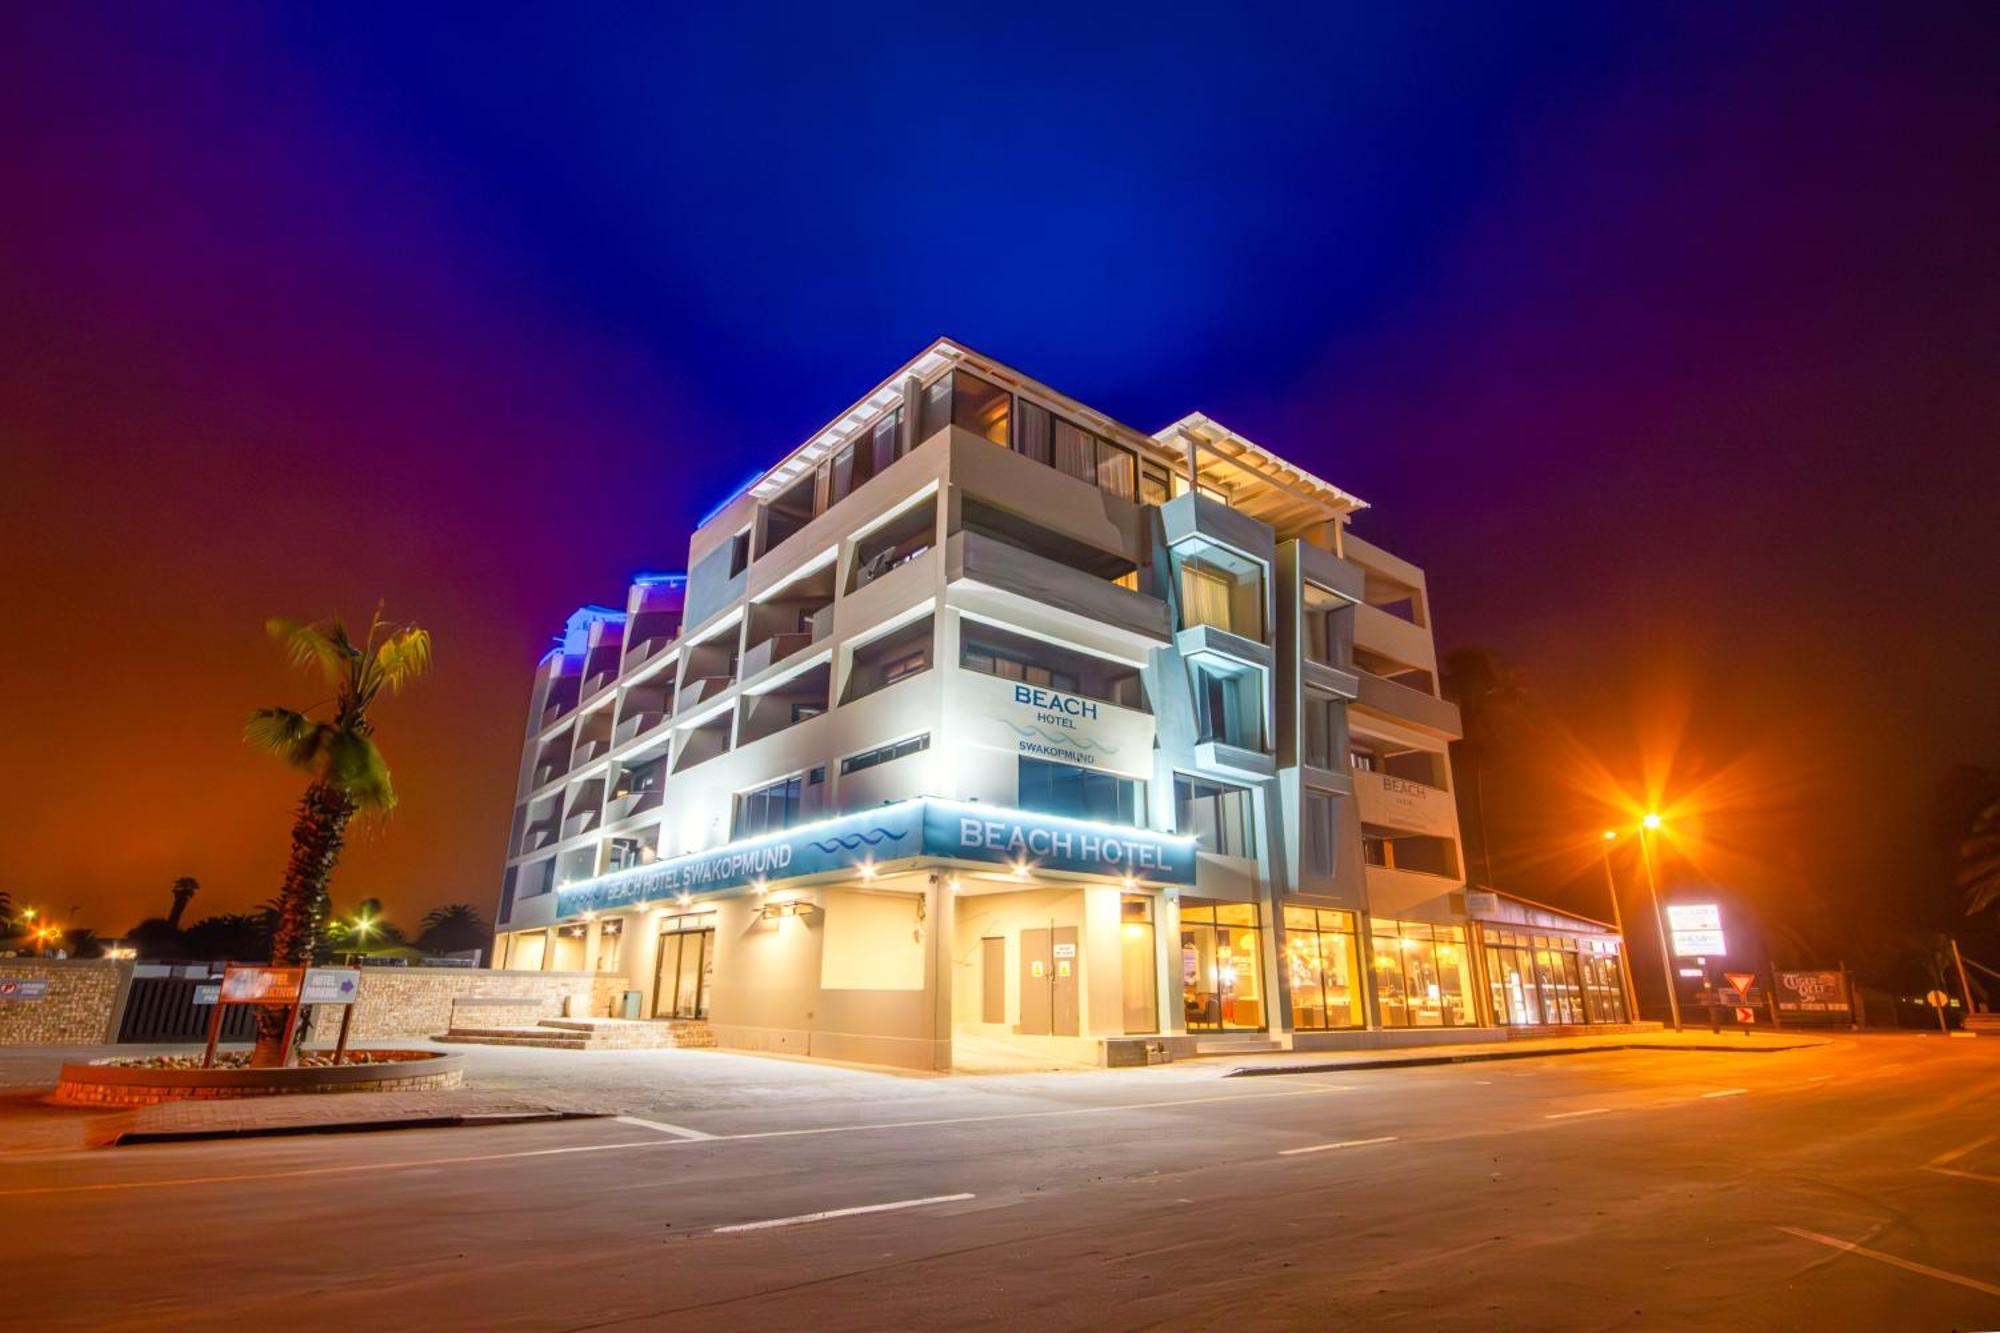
(348, 774)
(185, 889)
(1979, 859)
(453, 928)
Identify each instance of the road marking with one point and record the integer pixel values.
(677, 1131)
(1725, 1092)
(1344, 1143)
(1957, 1153)
(355, 1168)
(1571, 1115)
(840, 1212)
(1850, 1247)
(1963, 1175)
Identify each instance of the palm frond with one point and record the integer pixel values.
(291, 735)
(322, 645)
(403, 656)
(355, 765)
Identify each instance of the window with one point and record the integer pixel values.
(1032, 428)
(1221, 966)
(992, 651)
(739, 553)
(1319, 839)
(1076, 451)
(1420, 975)
(1556, 979)
(909, 664)
(1228, 707)
(1217, 815)
(1155, 484)
(767, 809)
(1117, 470)
(970, 403)
(622, 852)
(887, 438)
(1221, 588)
(1322, 718)
(882, 754)
(1323, 964)
(1080, 793)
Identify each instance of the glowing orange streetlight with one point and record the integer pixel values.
(1650, 825)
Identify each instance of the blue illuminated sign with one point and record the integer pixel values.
(944, 830)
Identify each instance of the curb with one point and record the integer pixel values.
(1481, 1057)
(126, 1137)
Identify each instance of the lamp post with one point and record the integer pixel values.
(1648, 825)
(1618, 921)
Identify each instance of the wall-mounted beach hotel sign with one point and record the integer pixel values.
(943, 830)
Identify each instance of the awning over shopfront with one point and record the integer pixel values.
(926, 828)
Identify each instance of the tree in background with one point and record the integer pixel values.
(184, 891)
(236, 937)
(454, 928)
(1978, 870)
(347, 773)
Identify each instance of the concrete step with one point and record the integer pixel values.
(590, 1034)
(551, 1042)
(1235, 1045)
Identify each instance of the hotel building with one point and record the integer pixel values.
(983, 724)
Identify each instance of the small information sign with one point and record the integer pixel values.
(24, 990)
(331, 985)
(209, 994)
(260, 985)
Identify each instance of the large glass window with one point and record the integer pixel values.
(1554, 979)
(767, 809)
(1075, 451)
(970, 403)
(1080, 793)
(1323, 965)
(1421, 976)
(1221, 967)
(1219, 587)
(1217, 814)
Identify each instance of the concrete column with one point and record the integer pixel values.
(940, 907)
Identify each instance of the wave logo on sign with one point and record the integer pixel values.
(1067, 741)
(854, 842)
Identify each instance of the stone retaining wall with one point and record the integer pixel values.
(101, 1084)
(84, 1006)
(417, 1001)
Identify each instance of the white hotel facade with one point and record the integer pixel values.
(984, 724)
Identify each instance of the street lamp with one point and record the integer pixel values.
(1649, 825)
(1618, 921)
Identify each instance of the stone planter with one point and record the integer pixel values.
(101, 1083)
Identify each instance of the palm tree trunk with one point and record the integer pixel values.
(318, 834)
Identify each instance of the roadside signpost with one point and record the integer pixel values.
(1741, 982)
(1937, 1000)
(262, 986)
(334, 985)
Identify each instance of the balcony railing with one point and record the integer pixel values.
(637, 724)
(997, 564)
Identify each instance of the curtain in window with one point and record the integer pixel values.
(1204, 596)
(1031, 431)
(1076, 451)
(1117, 470)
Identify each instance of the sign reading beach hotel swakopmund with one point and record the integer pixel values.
(1057, 725)
(923, 827)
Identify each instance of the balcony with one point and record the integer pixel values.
(699, 690)
(633, 725)
(976, 557)
(1404, 804)
(1427, 712)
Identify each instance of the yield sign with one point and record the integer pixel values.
(1741, 982)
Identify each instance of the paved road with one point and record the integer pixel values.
(1614, 1190)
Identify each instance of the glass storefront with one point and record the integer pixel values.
(1557, 979)
(1323, 966)
(1421, 976)
(1221, 973)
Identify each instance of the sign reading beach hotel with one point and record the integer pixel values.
(929, 828)
(1052, 724)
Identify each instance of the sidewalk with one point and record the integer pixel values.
(1409, 1057)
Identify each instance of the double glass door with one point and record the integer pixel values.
(686, 968)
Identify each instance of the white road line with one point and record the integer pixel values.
(1344, 1143)
(1957, 1153)
(1571, 1115)
(356, 1168)
(840, 1212)
(677, 1131)
(1850, 1247)
(1725, 1092)
(1962, 1175)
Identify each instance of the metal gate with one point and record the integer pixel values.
(163, 1009)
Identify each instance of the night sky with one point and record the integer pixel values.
(1665, 339)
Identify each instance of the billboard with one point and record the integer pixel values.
(1697, 930)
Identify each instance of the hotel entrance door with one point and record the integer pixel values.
(686, 966)
(1048, 982)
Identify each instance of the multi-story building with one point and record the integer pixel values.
(984, 721)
